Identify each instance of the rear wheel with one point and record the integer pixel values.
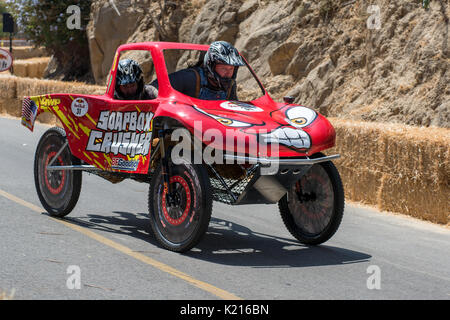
(312, 209)
(180, 220)
(58, 190)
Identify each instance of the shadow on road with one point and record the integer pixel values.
(135, 225)
(231, 244)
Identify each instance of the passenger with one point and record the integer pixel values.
(130, 82)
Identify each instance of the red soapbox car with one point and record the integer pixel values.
(191, 152)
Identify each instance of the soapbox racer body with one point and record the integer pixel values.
(191, 152)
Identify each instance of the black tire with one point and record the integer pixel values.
(58, 190)
(313, 208)
(180, 227)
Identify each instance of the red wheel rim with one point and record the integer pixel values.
(52, 189)
(187, 192)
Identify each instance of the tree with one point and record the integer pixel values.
(50, 24)
(2, 10)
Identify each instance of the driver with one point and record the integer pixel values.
(130, 82)
(212, 79)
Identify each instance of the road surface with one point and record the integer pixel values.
(104, 249)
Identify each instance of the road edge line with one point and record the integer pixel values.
(138, 256)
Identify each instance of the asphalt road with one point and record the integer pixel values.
(104, 249)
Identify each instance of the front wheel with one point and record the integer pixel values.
(179, 220)
(58, 190)
(312, 209)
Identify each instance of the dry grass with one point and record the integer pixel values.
(13, 89)
(8, 87)
(31, 68)
(396, 167)
(28, 87)
(20, 53)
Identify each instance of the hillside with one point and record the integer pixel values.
(320, 52)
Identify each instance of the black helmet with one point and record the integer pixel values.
(129, 71)
(221, 52)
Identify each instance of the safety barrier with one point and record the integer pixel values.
(395, 167)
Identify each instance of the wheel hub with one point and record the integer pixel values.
(176, 204)
(306, 197)
(174, 197)
(54, 179)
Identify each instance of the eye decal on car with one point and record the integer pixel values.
(299, 121)
(226, 121)
(300, 116)
(231, 122)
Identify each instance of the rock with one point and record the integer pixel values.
(278, 85)
(228, 17)
(324, 68)
(398, 73)
(281, 57)
(442, 116)
(304, 60)
(107, 30)
(207, 24)
(51, 68)
(247, 9)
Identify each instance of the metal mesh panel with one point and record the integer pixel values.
(237, 187)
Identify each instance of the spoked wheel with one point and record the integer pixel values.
(180, 219)
(58, 190)
(312, 209)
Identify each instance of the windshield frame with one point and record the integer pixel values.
(252, 72)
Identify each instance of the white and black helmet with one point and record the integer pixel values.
(221, 52)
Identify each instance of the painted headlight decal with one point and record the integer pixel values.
(225, 121)
(300, 117)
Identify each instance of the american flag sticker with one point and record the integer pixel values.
(29, 110)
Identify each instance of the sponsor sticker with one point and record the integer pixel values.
(49, 102)
(122, 164)
(5, 60)
(80, 107)
(240, 106)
